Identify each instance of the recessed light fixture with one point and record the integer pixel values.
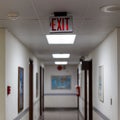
(61, 62)
(13, 15)
(61, 55)
(61, 39)
(110, 8)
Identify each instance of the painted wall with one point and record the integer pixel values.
(2, 74)
(18, 55)
(118, 46)
(106, 55)
(56, 98)
(81, 84)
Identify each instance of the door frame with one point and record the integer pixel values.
(41, 91)
(30, 89)
(78, 85)
(90, 92)
(87, 66)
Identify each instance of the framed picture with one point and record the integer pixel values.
(101, 83)
(61, 82)
(36, 85)
(20, 89)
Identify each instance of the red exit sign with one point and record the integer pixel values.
(61, 24)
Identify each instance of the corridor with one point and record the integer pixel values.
(59, 60)
(62, 115)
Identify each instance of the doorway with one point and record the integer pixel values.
(30, 89)
(77, 85)
(41, 91)
(88, 105)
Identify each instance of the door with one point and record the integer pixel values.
(78, 85)
(87, 69)
(41, 91)
(30, 90)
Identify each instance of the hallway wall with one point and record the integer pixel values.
(18, 55)
(2, 74)
(105, 55)
(118, 46)
(60, 98)
(82, 93)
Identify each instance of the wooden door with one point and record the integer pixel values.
(41, 91)
(30, 90)
(87, 68)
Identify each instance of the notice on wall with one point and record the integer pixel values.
(61, 82)
(101, 83)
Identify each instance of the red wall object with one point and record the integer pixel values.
(78, 90)
(59, 67)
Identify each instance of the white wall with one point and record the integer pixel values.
(60, 100)
(18, 55)
(118, 45)
(106, 55)
(81, 98)
(2, 74)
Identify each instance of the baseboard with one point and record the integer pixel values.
(100, 114)
(20, 115)
(60, 109)
(81, 115)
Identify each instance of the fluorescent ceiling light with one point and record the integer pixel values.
(61, 39)
(61, 55)
(61, 62)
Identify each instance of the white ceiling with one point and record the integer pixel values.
(89, 24)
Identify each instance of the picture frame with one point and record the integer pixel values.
(20, 89)
(101, 83)
(36, 85)
(61, 82)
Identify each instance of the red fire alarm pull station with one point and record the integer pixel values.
(8, 90)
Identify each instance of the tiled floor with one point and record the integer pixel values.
(62, 115)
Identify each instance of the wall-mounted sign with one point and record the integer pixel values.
(61, 82)
(61, 24)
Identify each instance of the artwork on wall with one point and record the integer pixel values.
(101, 83)
(61, 82)
(36, 85)
(20, 89)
